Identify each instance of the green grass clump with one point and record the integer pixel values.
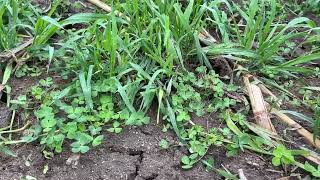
(118, 66)
(255, 39)
(16, 21)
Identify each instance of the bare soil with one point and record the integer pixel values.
(134, 154)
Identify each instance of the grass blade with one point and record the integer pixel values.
(173, 121)
(7, 73)
(86, 86)
(124, 96)
(7, 151)
(302, 59)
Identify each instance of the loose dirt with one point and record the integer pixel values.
(134, 155)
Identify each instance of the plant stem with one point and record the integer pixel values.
(11, 123)
(16, 130)
(250, 148)
(14, 142)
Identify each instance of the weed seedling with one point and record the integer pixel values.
(164, 144)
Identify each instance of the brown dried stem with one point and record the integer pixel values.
(258, 105)
(302, 131)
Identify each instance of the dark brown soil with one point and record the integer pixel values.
(135, 155)
(4, 115)
(19, 87)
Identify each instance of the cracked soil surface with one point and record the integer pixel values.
(133, 154)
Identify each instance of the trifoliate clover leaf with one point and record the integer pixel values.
(116, 128)
(48, 123)
(137, 119)
(84, 138)
(44, 112)
(183, 116)
(185, 160)
(124, 114)
(164, 144)
(97, 141)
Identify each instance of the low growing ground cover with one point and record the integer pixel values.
(159, 89)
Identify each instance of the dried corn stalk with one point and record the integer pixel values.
(258, 105)
(101, 5)
(302, 131)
